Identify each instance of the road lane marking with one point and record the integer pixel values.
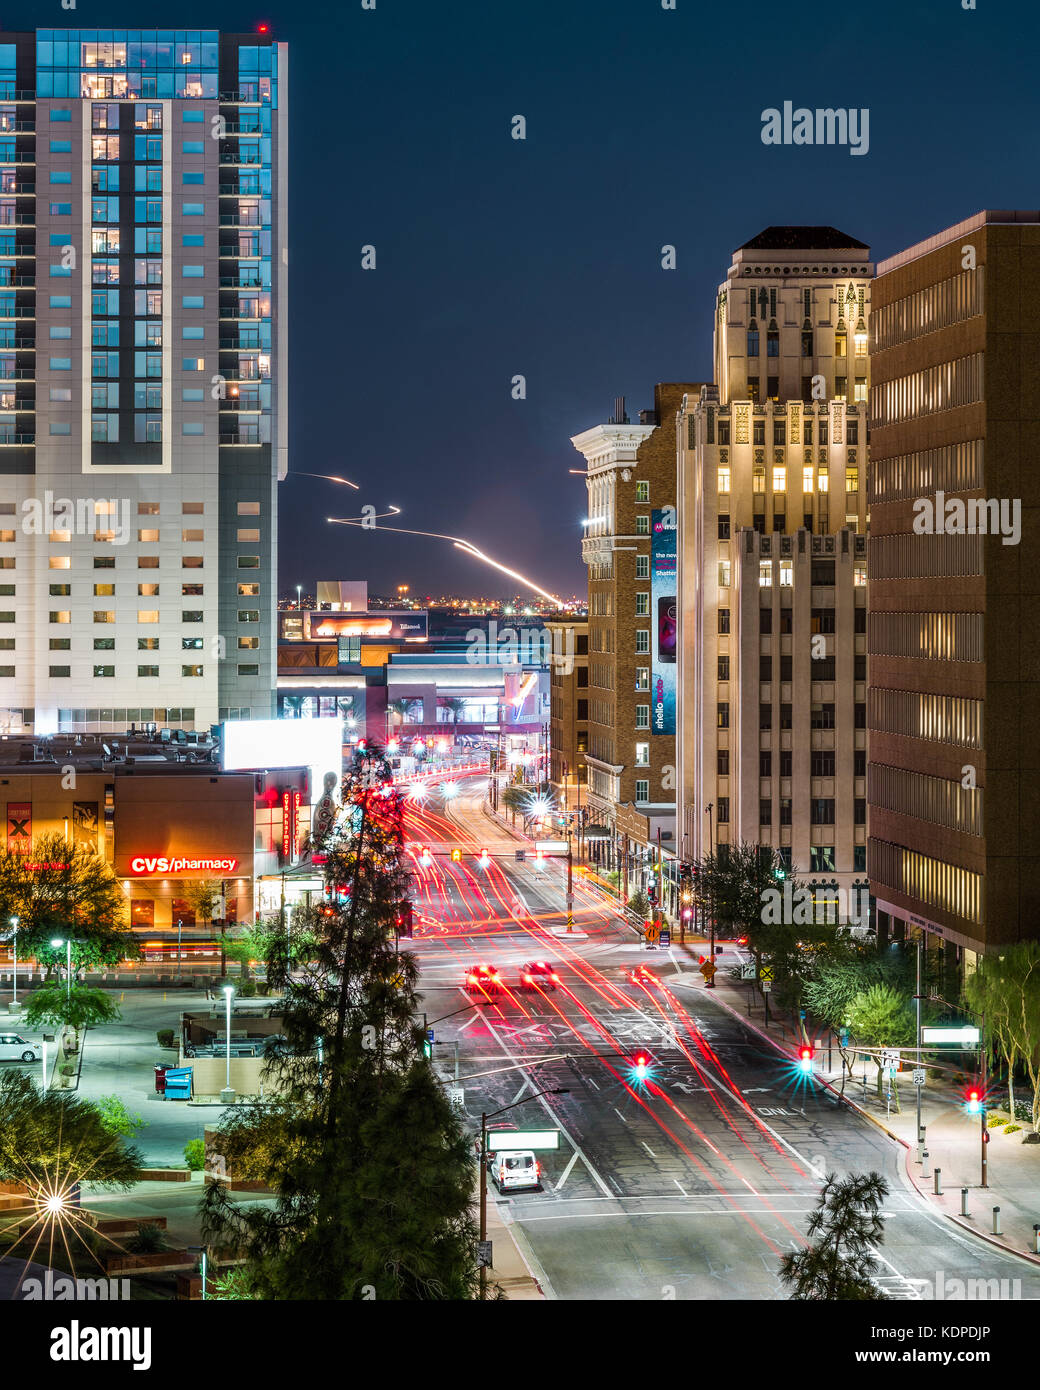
(680, 1187)
(618, 1113)
(567, 1171)
(648, 1149)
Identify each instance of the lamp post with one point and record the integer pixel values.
(227, 1095)
(551, 1091)
(710, 984)
(65, 941)
(14, 923)
(201, 1251)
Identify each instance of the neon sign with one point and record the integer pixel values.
(160, 864)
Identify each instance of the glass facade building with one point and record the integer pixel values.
(142, 374)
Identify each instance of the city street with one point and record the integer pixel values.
(690, 1184)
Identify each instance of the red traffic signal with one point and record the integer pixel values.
(974, 1100)
(805, 1057)
(642, 1062)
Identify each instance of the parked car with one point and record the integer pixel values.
(15, 1048)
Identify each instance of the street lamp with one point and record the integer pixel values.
(550, 1091)
(201, 1251)
(228, 992)
(65, 941)
(14, 923)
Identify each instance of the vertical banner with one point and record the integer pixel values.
(19, 827)
(663, 618)
(85, 824)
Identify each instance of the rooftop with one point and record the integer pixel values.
(802, 239)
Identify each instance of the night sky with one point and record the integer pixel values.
(542, 257)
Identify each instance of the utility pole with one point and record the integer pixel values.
(917, 1001)
(570, 883)
(982, 1097)
(710, 984)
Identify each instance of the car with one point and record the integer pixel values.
(15, 1048)
(511, 1172)
(483, 979)
(538, 974)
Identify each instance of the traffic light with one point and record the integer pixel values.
(651, 894)
(484, 859)
(456, 856)
(404, 920)
(427, 1047)
(539, 856)
(805, 1057)
(424, 855)
(642, 1063)
(974, 1100)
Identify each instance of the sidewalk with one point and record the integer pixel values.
(953, 1137)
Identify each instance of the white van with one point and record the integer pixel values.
(515, 1171)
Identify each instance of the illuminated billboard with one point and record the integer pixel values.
(258, 744)
(663, 621)
(389, 626)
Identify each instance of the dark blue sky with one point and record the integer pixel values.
(497, 257)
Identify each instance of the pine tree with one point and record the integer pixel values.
(844, 1228)
(373, 1172)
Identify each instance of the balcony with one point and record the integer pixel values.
(241, 159)
(239, 282)
(247, 441)
(17, 311)
(17, 439)
(243, 343)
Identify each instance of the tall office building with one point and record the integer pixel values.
(771, 741)
(143, 422)
(954, 669)
(629, 548)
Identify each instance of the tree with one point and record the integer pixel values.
(76, 1008)
(253, 943)
(881, 1017)
(455, 706)
(639, 905)
(351, 1219)
(50, 1140)
(206, 898)
(514, 799)
(840, 1261)
(1005, 990)
(60, 890)
(115, 1117)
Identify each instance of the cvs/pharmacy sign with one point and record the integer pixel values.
(160, 864)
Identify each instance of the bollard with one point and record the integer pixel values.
(996, 1222)
(964, 1201)
(920, 1149)
(1036, 1239)
(938, 1182)
(924, 1164)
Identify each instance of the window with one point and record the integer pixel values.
(642, 491)
(724, 480)
(642, 755)
(765, 574)
(642, 639)
(785, 716)
(251, 670)
(807, 479)
(752, 389)
(191, 615)
(785, 810)
(779, 479)
(148, 615)
(752, 342)
(723, 526)
(60, 644)
(807, 343)
(723, 668)
(765, 811)
(253, 591)
(722, 810)
(192, 508)
(191, 670)
(765, 716)
(103, 672)
(821, 763)
(191, 644)
(252, 562)
(786, 761)
(60, 590)
(772, 343)
(103, 590)
(642, 677)
(642, 714)
(765, 764)
(642, 526)
(192, 562)
(765, 669)
(642, 600)
(105, 562)
(60, 562)
(642, 789)
(642, 566)
(146, 671)
(722, 714)
(821, 859)
(193, 272)
(248, 643)
(148, 591)
(252, 537)
(249, 615)
(147, 644)
(193, 535)
(248, 509)
(724, 620)
(191, 590)
(722, 762)
(59, 670)
(822, 717)
(724, 574)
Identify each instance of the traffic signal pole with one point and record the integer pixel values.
(570, 884)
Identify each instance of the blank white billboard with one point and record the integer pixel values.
(257, 744)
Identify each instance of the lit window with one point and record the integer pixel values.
(860, 340)
(105, 615)
(852, 480)
(765, 574)
(148, 536)
(786, 573)
(859, 576)
(779, 479)
(642, 755)
(723, 480)
(807, 480)
(104, 590)
(642, 677)
(148, 615)
(59, 562)
(724, 574)
(822, 479)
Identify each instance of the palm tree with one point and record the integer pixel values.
(456, 706)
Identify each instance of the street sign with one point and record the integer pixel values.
(483, 1254)
(959, 1035)
(708, 969)
(551, 846)
(665, 937)
(766, 986)
(767, 972)
(890, 1060)
(747, 970)
(515, 1140)
(919, 1076)
(652, 931)
(521, 855)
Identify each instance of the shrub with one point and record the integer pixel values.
(115, 1117)
(165, 1037)
(149, 1240)
(1012, 1129)
(247, 989)
(195, 1154)
(262, 987)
